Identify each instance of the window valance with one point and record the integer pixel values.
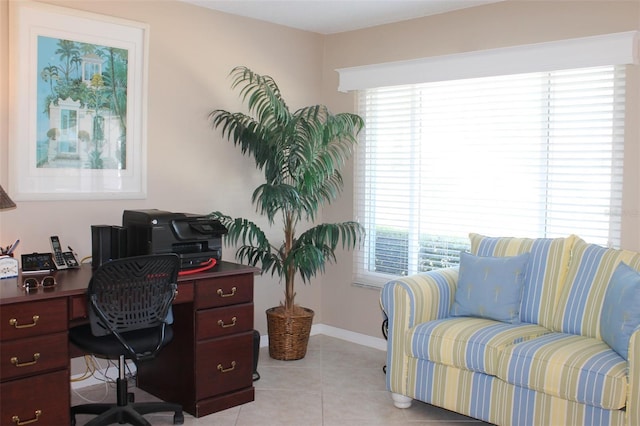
(609, 49)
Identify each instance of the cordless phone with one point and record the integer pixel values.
(62, 260)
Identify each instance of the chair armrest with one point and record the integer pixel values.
(409, 301)
(633, 393)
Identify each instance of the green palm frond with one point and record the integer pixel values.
(244, 131)
(309, 260)
(317, 246)
(270, 199)
(255, 247)
(242, 230)
(268, 261)
(261, 93)
(350, 234)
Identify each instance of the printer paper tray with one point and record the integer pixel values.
(194, 260)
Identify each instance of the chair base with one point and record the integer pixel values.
(125, 410)
(131, 413)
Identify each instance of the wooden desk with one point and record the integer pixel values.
(208, 366)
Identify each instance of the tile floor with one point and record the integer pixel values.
(338, 383)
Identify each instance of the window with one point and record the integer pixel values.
(529, 155)
(68, 143)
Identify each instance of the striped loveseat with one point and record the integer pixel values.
(551, 367)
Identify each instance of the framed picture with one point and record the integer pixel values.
(78, 102)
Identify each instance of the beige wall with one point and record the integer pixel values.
(191, 169)
(497, 25)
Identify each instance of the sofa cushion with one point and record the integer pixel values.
(470, 343)
(577, 368)
(621, 309)
(546, 269)
(490, 287)
(580, 304)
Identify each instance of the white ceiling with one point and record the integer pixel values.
(334, 16)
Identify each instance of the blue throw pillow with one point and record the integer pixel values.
(490, 287)
(621, 309)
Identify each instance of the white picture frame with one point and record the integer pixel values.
(78, 105)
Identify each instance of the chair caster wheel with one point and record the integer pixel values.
(131, 397)
(178, 419)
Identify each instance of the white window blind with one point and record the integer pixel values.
(529, 155)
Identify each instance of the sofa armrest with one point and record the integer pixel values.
(424, 297)
(633, 392)
(409, 301)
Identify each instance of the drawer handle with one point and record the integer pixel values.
(14, 361)
(16, 419)
(222, 294)
(223, 325)
(14, 322)
(226, 370)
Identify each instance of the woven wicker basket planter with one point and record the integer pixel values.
(288, 335)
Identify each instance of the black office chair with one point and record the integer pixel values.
(129, 314)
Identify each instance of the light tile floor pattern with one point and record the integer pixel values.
(338, 383)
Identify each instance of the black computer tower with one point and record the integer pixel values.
(108, 242)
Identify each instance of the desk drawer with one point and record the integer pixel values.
(224, 291)
(185, 293)
(33, 318)
(44, 398)
(25, 357)
(224, 365)
(79, 304)
(218, 322)
(78, 307)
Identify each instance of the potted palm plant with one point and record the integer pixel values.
(301, 154)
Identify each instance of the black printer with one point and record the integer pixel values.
(195, 238)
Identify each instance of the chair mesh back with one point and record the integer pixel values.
(133, 293)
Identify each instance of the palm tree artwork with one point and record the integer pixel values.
(82, 98)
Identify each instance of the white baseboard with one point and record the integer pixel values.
(350, 336)
(339, 333)
(327, 330)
